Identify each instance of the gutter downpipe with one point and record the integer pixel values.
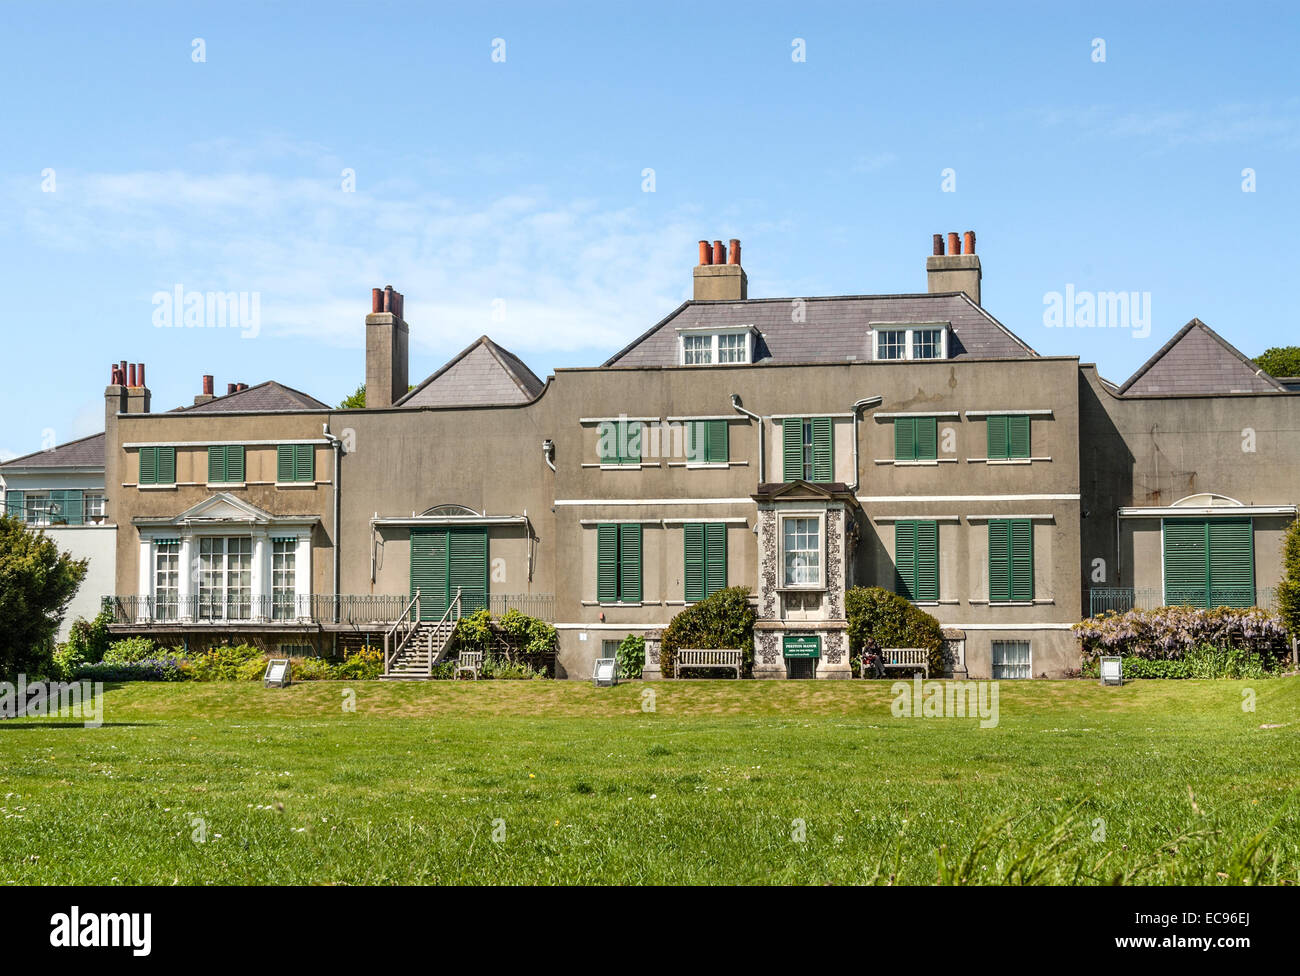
(338, 455)
(762, 453)
(873, 401)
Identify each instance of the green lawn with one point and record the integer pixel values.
(709, 787)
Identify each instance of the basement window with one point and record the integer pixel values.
(892, 343)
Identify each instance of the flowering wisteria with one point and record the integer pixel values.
(1167, 633)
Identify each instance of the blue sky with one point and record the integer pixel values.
(506, 197)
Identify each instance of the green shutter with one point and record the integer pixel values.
(717, 449)
(1018, 436)
(607, 442)
(284, 463)
(304, 462)
(927, 561)
(693, 536)
(792, 449)
(148, 466)
(904, 438)
(999, 560)
(997, 438)
(823, 450)
(467, 562)
(1232, 562)
(1022, 560)
(216, 465)
(905, 558)
(607, 563)
(1209, 562)
(429, 571)
(629, 563)
(70, 504)
(166, 465)
(235, 464)
(715, 557)
(927, 438)
(629, 442)
(16, 504)
(1186, 563)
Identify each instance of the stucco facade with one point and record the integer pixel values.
(569, 521)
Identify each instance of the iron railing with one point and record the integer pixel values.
(539, 605)
(317, 608)
(1123, 598)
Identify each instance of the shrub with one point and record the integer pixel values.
(1204, 661)
(1169, 633)
(532, 635)
(631, 656)
(89, 640)
(1288, 590)
(148, 669)
(879, 618)
(473, 633)
(724, 619)
(503, 669)
(366, 664)
(129, 650)
(307, 669)
(242, 662)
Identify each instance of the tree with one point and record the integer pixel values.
(36, 584)
(1288, 591)
(357, 401)
(1280, 361)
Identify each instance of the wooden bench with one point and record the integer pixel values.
(908, 658)
(471, 661)
(699, 658)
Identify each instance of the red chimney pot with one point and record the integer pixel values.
(735, 252)
(207, 384)
(970, 242)
(130, 374)
(376, 299)
(938, 245)
(719, 253)
(140, 375)
(706, 254)
(954, 243)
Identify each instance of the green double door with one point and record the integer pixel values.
(445, 559)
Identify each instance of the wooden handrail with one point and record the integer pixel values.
(393, 647)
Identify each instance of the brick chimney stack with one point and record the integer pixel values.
(387, 348)
(207, 393)
(719, 276)
(954, 271)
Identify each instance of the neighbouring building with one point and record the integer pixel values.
(61, 491)
(797, 446)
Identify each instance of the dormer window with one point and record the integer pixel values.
(713, 347)
(896, 342)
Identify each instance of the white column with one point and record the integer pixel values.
(187, 577)
(260, 583)
(302, 573)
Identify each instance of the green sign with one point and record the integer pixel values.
(803, 646)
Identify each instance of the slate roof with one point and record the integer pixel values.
(86, 452)
(263, 398)
(1199, 360)
(833, 330)
(481, 374)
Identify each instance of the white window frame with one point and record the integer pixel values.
(993, 664)
(909, 349)
(166, 598)
(746, 330)
(98, 517)
(820, 518)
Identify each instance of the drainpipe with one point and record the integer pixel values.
(762, 454)
(338, 455)
(874, 401)
(548, 452)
